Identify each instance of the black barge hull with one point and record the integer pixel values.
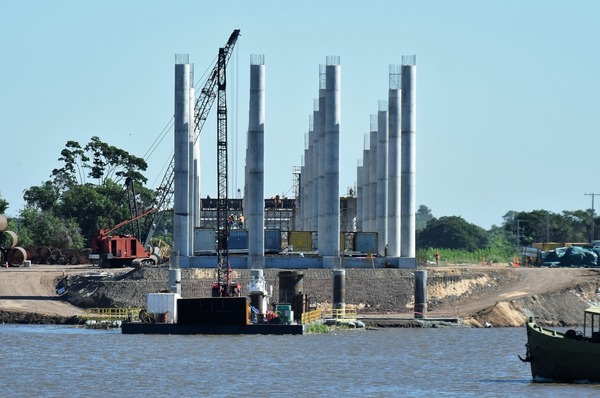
(174, 328)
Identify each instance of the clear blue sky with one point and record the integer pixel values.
(508, 92)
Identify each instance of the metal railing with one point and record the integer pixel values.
(111, 314)
(341, 313)
(311, 316)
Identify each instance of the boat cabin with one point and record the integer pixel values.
(591, 320)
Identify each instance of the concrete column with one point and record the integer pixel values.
(360, 200)
(322, 188)
(408, 168)
(394, 220)
(255, 163)
(194, 219)
(373, 175)
(339, 289)
(302, 202)
(366, 226)
(420, 294)
(314, 170)
(331, 211)
(382, 177)
(182, 156)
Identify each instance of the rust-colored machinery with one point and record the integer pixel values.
(120, 250)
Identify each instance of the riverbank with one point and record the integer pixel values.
(479, 296)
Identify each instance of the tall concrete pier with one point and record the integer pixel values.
(255, 164)
(194, 168)
(313, 224)
(373, 153)
(382, 177)
(393, 217)
(181, 210)
(331, 210)
(321, 238)
(359, 196)
(408, 145)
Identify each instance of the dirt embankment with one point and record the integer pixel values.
(500, 296)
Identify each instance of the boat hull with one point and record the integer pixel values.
(555, 357)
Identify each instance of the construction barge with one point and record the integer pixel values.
(226, 312)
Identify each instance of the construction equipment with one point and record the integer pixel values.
(224, 285)
(201, 109)
(121, 250)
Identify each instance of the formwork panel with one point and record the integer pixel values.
(272, 240)
(365, 242)
(301, 241)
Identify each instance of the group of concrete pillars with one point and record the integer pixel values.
(186, 206)
(386, 178)
(320, 173)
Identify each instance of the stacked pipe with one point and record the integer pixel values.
(10, 253)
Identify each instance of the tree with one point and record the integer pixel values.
(452, 232)
(43, 197)
(423, 217)
(3, 204)
(100, 203)
(42, 228)
(101, 161)
(546, 226)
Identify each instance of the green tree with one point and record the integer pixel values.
(423, 217)
(452, 232)
(42, 228)
(3, 204)
(101, 203)
(43, 197)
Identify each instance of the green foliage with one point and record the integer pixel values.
(452, 233)
(423, 217)
(545, 226)
(42, 228)
(99, 161)
(452, 256)
(317, 328)
(3, 204)
(100, 205)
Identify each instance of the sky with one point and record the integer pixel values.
(508, 92)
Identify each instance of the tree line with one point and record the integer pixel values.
(87, 193)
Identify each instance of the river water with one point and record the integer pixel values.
(61, 361)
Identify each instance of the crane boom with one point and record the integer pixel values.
(201, 109)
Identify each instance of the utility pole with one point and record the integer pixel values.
(518, 228)
(592, 231)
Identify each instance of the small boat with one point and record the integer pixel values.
(570, 356)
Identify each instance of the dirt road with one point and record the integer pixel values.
(33, 289)
(528, 282)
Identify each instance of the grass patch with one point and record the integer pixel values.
(317, 328)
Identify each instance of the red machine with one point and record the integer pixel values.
(114, 251)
